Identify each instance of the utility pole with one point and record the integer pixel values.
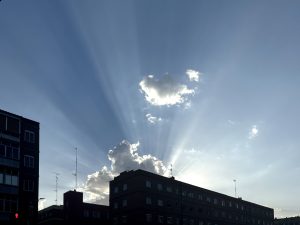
(56, 186)
(234, 187)
(76, 170)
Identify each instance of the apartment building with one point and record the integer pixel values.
(19, 169)
(140, 197)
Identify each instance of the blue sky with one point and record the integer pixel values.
(95, 73)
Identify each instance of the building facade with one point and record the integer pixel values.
(75, 211)
(19, 169)
(140, 197)
(288, 221)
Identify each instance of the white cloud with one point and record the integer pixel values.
(193, 75)
(164, 91)
(123, 157)
(153, 119)
(253, 132)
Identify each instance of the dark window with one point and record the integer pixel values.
(159, 187)
(29, 161)
(29, 136)
(124, 219)
(28, 185)
(13, 125)
(124, 202)
(15, 153)
(13, 206)
(2, 150)
(1, 205)
(2, 122)
(148, 184)
(8, 152)
(148, 217)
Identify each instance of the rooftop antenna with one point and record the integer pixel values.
(234, 187)
(171, 170)
(76, 170)
(56, 186)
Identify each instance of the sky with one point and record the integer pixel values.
(209, 87)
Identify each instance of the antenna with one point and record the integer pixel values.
(76, 170)
(56, 186)
(171, 170)
(234, 187)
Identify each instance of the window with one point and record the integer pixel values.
(2, 205)
(184, 221)
(223, 203)
(215, 201)
(160, 202)
(86, 213)
(148, 184)
(28, 185)
(14, 180)
(10, 179)
(148, 217)
(12, 125)
(169, 220)
(148, 201)
(160, 219)
(29, 136)
(96, 214)
(15, 153)
(2, 150)
(115, 220)
(29, 161)
(7, 179)
(124, 202)
(116, 189)
(208, 199)
(124, 187)
(2, 122)
(124, 219)
(200, 197)
(8, 152)
(159, 187)
(116, 205)
(191, 195)
(169, 189)
(1, 178)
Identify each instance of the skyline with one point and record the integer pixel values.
(207, 86)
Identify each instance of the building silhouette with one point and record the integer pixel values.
(140, 197)
(74, 211)
(19, 169)
(288, 221)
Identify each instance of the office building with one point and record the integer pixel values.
(75, 211)
(140, 197)
(19, 169)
